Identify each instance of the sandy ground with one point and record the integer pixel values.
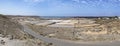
(16, 42)
(9, 42)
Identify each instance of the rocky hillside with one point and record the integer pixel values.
(10, 27)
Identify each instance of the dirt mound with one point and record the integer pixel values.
(83, 30)
(11, 27)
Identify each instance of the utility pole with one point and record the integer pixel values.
(76, 25)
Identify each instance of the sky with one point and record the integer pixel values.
(61, 7)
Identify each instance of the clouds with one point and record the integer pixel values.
(61, 6)
(34, 0)
(85, 2)
(76, 0)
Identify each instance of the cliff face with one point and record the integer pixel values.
(11, 27)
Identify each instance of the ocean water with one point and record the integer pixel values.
(62, 17)
(56, 17)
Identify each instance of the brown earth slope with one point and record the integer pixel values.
(10, 27)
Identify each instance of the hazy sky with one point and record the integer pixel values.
(60, 7)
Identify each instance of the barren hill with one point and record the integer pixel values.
(11, 27)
